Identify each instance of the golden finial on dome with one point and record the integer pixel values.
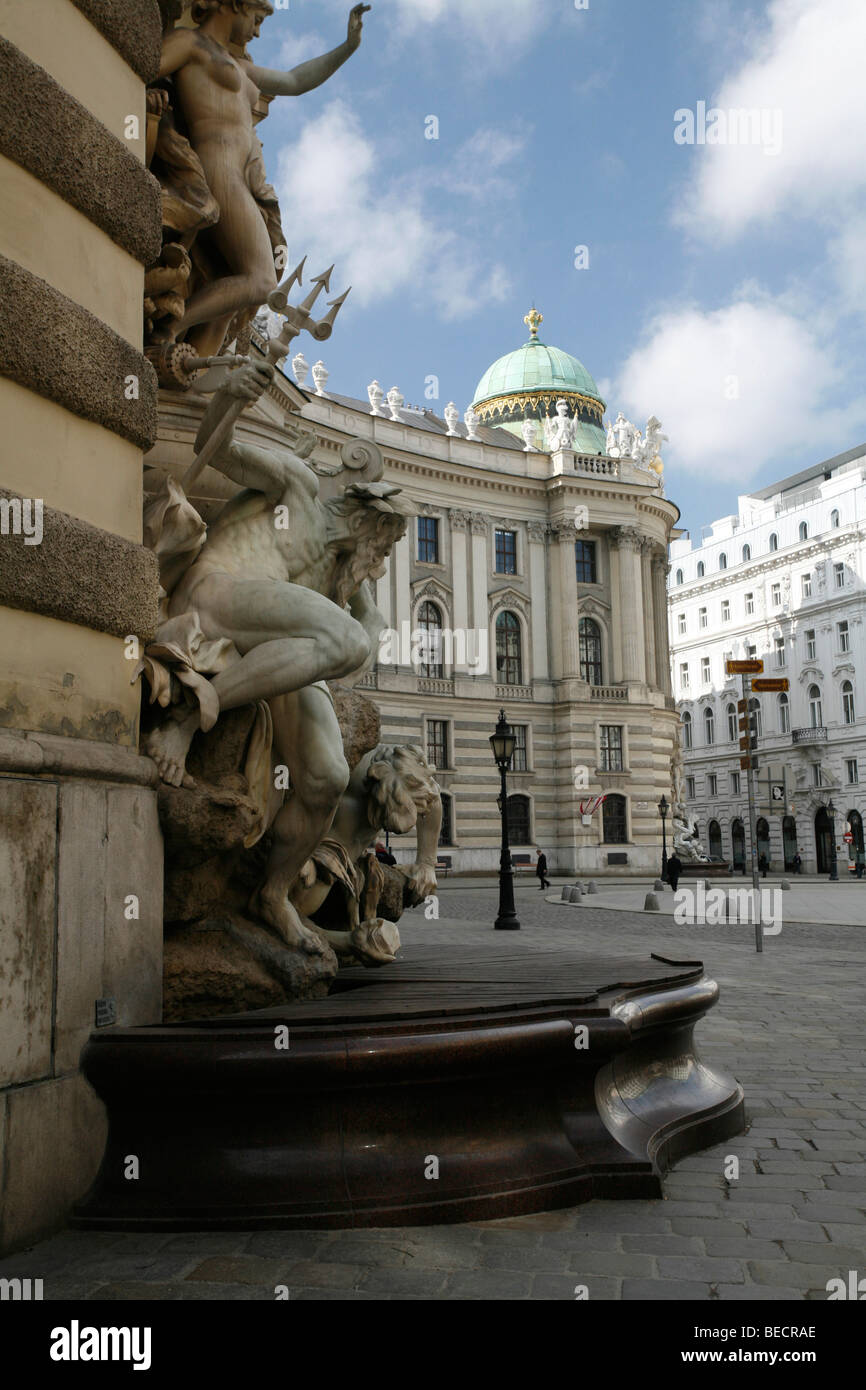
(533, 321)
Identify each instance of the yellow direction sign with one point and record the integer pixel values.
(769, 683)
(753, 667)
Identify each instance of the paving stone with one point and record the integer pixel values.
(620, 1264)
(755, 1293)
(413, 1281)
(793, 1276)
(811, 1252)
(707, 1227)
(789, 1230)
(656, 1290)
(318, 1275)
(132, 1292)
(240, 1269)
(528, 1259)
(743, 1248)
(663, 1245)
(488, 1284)
(700, 1268)
(562, 1286)
(289, 1245)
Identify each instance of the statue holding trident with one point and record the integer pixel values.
(209, 161)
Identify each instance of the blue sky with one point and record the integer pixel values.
(726, 285)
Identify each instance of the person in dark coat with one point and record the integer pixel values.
(675, 868)
(798, 864)
(541, 871)
(763, 865)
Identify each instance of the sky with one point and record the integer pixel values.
(723, 282)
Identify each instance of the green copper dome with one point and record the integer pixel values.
(536, 367)
(529, 381)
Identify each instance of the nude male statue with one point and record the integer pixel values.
(295, 602)
(217, 93)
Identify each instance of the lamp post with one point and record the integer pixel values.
(834, 869)
(502, 743)
(663, 812)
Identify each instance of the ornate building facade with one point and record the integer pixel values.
(782, 580)
(533, 580)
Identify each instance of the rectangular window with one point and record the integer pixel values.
(806, 585)
(506, 552)
(750, 605)
(851, 765)
(751, 651)
(844, 637)
(681, 624)
(726, 610)
(839, 576)
(776, 595)
(779, 647)
(690, 788)
(584, 558)
(816, 775)
(714, 784)
(810, 644)
(735, 783)
(519, 761)
(684, 675)
(437, 742)
(611, 748)
(702, 617)
(705, 670)
(428, 540)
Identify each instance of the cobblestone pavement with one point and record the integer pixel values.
(789, 1026)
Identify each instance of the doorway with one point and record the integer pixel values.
(789, 840)
(738, 845)
(762, 836)
(823, 841)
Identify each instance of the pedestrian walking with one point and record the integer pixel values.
(675, 868)
(860, 861)
(541, 871)
(763, 865)
(798, 864)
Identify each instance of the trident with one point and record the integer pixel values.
(298, 319)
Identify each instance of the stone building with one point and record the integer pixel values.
(542, 570)
(80, 846)
(782, 580)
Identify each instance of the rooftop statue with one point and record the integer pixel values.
(559, 431)
(222, 232)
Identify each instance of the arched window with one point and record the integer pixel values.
(738, 844)
(446, 833)
(732, 723)
(848, 702)
(590, 651)
(430, 625)
(747, 552)
(834, 519)
(816, 713)
(687, 730)
(519, 827)
(714, 839)
(709, 727)
(700, 569)
(679, 576)
(774, 541)
(723, 561)
(509, 656)
(784, 715)
(615, 821)
(755, 709)
(804, 530)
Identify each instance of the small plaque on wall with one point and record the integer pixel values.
(617, 858)
(106, 1012)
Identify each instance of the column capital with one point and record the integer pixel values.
(479, 523)
(625, 537)
(536, 531)
(563, 530)
(459, 520)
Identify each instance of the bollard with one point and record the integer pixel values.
(592, 887)
(785, 886)
(565, 891)
(574, 893)
(658, 886)
(651, 903)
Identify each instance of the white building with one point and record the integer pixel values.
(782, 580)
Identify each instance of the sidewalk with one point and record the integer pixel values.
(819, 901)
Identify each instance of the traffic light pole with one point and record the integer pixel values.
(753, 819)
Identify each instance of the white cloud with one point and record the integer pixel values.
(735, 387)
(807, 64)
(342, 203)
(499, 24)
(299, 49)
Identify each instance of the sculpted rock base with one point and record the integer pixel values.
(229, 964)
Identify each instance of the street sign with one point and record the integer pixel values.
(767, 683)
(753, 667)
(847, 837)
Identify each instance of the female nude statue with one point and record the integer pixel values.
(216, 94)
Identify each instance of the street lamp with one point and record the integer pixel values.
(834, 869)
(502, 743)
(663, 811)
